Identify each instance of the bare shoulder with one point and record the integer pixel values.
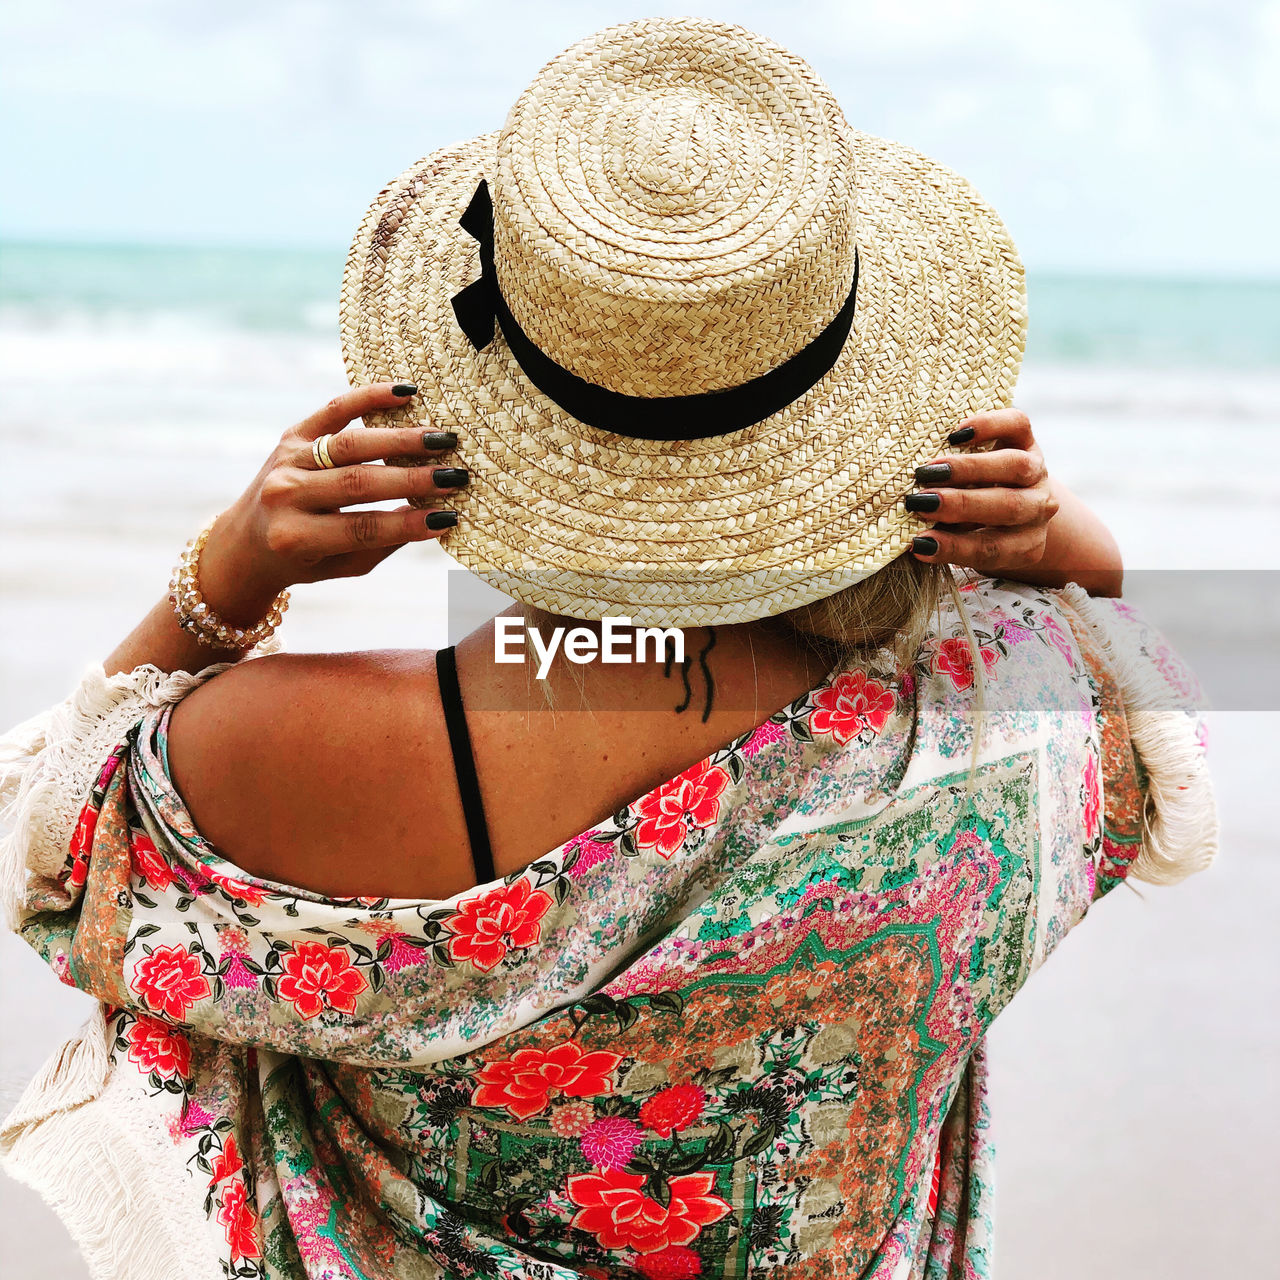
(294, 707)
(291, 763)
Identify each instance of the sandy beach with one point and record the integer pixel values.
(1136, 1093)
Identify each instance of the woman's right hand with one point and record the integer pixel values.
(290, 525)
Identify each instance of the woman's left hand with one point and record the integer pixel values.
(992, 509)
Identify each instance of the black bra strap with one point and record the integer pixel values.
(464, 765)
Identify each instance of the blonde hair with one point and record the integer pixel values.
(891, 609)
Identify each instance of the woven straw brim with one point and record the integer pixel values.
(728, 529)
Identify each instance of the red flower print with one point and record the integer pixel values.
(169, 981)
(675, 1263)
(240, 1221)
(318, 977)
(226, 1162)
(489, 925)
(617, 1212)
(669, 812)
(80, 847)
(611, 1141)
(954, 659)
(849, 705)
(674, 1108)
(148, 862)
(156, 1046)
(234, 888)
(525, 1082)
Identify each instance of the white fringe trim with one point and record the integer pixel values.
(78, 1135)
(1180, 821)
(86, 1141)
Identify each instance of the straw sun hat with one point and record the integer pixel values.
(694, 332)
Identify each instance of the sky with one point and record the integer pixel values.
(1132, 136)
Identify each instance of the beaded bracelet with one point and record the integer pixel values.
(197, 618)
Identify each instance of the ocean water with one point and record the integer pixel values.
(1075, 319)
(168, 374)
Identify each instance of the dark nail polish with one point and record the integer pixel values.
(404, 389)
(440, 440)
(934, 473)
(963, 436)
(924, 545)
(450, 477)
(441, 519)
(923, 501)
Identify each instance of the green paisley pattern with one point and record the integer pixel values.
(736, 1031)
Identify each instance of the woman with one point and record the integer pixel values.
(405, 972)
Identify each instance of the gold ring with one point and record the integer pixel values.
(320, 452)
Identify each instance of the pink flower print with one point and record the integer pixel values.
(762, 736)
(1056, 636)
(107, 771)
(233, 944)
(1014, 632)
(611, 1141)
(195, 1118)
(591, 852)
(189, 882)
(393, 948)
(1091, 793)
(308, 1207)
(402, 954)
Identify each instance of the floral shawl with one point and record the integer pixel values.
(736, 1030)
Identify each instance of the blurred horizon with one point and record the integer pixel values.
(153, 293)
(1173, 275)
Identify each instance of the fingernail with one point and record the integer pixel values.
(440, 440)
(934, 473)
(441, 519)
(450, 477)
(404, 389)
(963, 436)
(924, 545)
(923, 501)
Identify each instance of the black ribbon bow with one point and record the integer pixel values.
(477, 305)
(480, 307)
